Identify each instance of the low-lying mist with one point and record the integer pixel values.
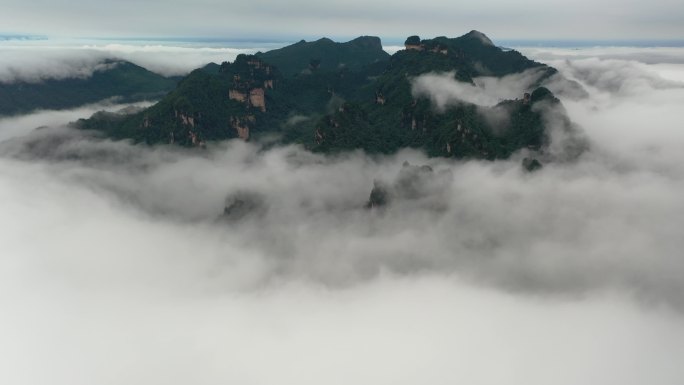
(123, 263)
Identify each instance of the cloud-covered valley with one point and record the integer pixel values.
(120, 263)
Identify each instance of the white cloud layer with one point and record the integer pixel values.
(114, 266)
(37, 62)
(646, 55)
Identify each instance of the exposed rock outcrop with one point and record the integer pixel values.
(379, 196)
(257, 99)
(242, 125)
(237, 95)
(194, 139)
(187, 120)
(379, 98)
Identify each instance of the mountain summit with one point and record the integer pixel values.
(481, 37)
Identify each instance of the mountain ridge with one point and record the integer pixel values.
(368, 106)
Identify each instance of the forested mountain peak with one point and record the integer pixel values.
(333, 96)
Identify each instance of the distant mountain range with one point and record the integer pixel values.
(114, 78)
(332, 97)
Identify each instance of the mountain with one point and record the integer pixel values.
(326, 55)
(368, 103)
(115, 79)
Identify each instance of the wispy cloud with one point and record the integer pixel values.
(444, 90)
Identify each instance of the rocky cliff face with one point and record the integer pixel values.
(237, 95)
(184, 118)
(242, 125)
(257, 99)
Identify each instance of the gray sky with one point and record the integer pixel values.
(533, 19)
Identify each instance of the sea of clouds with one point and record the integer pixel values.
(118, 264)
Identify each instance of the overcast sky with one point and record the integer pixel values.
(531, 19)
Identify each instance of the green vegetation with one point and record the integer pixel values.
(399, 120)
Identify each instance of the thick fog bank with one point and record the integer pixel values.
(123, 263)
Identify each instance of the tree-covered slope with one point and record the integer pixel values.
(463, 131)
(117, 78)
